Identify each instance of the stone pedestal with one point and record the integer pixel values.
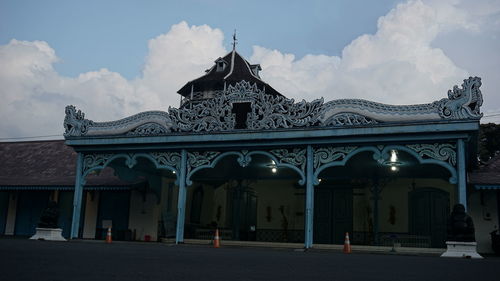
(456, 249)
(50, 234)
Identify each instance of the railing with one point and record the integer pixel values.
(406, 240)
(208, 234)
(262, 235)
(392, 239)
(297, 236)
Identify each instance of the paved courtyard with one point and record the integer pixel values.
(22, 259)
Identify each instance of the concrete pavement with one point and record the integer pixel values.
(22, 259)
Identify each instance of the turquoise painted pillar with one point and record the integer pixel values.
(181, 204)
(461, 171)
(376, 193)
(309, 199)
(77, 197)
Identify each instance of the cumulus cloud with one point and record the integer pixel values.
(412, 58)
(34, 94)
(174, 58)
(398, 64)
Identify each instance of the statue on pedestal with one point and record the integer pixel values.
(47, 227)
(460, 225)
(461, 242)
(49, 216)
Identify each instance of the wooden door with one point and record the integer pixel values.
(342, 214)
(429, 210)
(332, 215)
(65, 205)
(113, 206)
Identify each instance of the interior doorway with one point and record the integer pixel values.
(428, 210)
(332, 214)
(242, 200)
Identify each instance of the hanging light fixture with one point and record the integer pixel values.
(394, 156)
(273, 167)
(393, 162)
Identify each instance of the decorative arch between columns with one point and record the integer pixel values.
(442, 154)
(162, 160)
(294, 159)
(89, 162)
(308, 162)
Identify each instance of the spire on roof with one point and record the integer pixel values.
(234, 40)
(227, 71)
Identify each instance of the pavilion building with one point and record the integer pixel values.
(239, 156)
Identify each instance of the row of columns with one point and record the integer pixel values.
(309, 208)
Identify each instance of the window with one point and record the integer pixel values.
(221, 65)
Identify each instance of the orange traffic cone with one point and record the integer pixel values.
(347, 244)
(108, 236)
(216, 239)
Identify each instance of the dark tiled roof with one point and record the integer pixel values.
(488, 173)
(45, 163)
(235, 71)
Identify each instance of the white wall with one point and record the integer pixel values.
(168, 213)
(485, 217)
(90, 219)
(275, 193)
(212, 199)
(144, 215)
(220, 199)
(394, 194)
(10, 223)
(270, 193)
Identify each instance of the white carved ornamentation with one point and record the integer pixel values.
(270, 112)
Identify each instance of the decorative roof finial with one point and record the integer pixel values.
(234, 40)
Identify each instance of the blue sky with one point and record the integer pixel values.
(89, 35)
(116, 58)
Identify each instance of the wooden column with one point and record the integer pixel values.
(77, 197)
(181, 205)
(461, 171)
(308, 241)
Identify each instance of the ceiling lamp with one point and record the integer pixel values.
(274, 168)
(394, 156)
(393, 162)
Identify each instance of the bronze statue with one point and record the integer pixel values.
(460, 225)
(49, 216)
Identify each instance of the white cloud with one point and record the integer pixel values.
(399, 64)
(34, 94)
(174, 58)
(420, 50)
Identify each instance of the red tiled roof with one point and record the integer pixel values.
(45, 163)
(488, 173)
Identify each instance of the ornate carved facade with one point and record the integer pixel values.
(230, 120)
(268, 112)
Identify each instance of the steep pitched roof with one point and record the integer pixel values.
(236, 69)
(487, 174)
(45, 163)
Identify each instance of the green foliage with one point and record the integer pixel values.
(489, 140)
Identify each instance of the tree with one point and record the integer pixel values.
(489, 141)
